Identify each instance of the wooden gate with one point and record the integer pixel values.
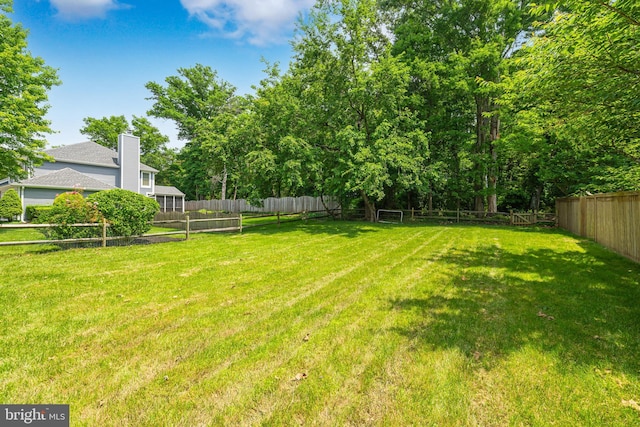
(523, 218)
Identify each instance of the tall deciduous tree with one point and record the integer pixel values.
(24, 82)
(457, 51)
(105, 131)
(353, 113)
(154, 150)
(279, 161)
(203, 107)
(577, 91)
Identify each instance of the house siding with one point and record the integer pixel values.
(89, 165)
(107, 175)
(42, 196)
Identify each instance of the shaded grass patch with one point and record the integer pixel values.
(456, 325)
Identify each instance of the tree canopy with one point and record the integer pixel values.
(24, 82)
(478, 104)
(204, 108)
(575, 94)
(484, 105)
(354, 105)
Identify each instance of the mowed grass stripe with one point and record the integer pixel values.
(149, 319)
(378, 344)
(107, 341)
(346, 316)
(102, 289)
(371, 340)
(255, 343)
(396, 316)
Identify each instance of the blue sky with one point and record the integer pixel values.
(106, 50)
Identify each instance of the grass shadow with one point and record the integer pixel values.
(349, 229)
(580, 305)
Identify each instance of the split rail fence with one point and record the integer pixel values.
(611, 219)
(458, 216)
(173, 224)
(182, 224)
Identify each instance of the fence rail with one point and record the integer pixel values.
(271, 204)
(182, 225)
(508, 218)
(179, 224)
(611, 219)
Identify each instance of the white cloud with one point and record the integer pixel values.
(259, 21)
(85, 9)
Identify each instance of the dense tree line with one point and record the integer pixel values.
(477, 104)
(485, 105)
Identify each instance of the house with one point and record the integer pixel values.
(91, 167)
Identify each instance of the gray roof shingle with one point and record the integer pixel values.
(66, 179)
(162, 190)
(90, 153)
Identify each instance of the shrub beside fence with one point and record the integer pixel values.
(611, 219)
(173, 224)
(178, 224)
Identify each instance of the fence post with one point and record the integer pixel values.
(240, 223)
(186, 217)
(104, 232)
(458, 215)
(595, 218)
(278, 213)
(511, 216)
(412, 218)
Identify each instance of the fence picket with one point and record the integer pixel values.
(271, 204)
(611, 219)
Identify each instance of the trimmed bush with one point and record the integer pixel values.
(72, 208)
(128, 213)
(37, 214)
(10, 205)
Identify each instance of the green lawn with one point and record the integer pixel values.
(408, 325)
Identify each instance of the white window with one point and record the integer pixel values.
(146, 179)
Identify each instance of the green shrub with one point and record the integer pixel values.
(128, 213)
(37, 214)
(10, 205)
(72, 208)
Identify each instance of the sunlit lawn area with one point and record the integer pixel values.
(327, 323)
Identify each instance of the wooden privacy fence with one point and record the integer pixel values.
(272, 204)
(611, 219)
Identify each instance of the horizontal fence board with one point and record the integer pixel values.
(611, 219)
(271, 204)
(212, 222)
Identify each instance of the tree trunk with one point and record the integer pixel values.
(535, 199)
(494, 134)
(223, 196)
(480, 178)
(369, 208)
